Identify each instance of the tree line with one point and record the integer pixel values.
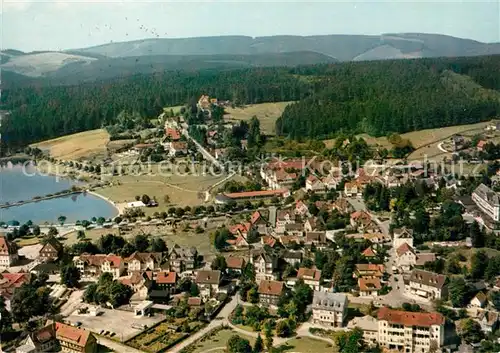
(379, 98)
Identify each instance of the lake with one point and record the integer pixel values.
(22, 184)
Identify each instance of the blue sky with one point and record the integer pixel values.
(65, 24)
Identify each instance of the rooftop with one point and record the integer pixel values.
(270, 287)
(410, 318)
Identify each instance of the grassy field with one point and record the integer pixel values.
(219, 340)
(86, 145)
(182, 190)
(176, 109)
(92, 234)
(306, 345)
(267, 113)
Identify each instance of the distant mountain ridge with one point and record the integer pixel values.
(159, 54)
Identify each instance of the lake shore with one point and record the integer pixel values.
(119, 207)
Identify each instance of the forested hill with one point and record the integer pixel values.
(373, 97)
(397, 96)
(39, 112)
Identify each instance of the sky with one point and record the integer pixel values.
(69, 24)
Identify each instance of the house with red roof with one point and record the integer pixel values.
(301, 208)
(360, 220)
(56, 336)
(235, 264)
(369, 252)
(314, 184)
(403, 330)
(480, 145)
(281, 173)
(406, 257)
(270, 292)
(172, 134)
(310, 276)
(369, 287)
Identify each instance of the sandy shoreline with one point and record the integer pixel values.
(119, 207)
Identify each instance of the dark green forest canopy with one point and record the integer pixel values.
(395, 96)
(373, 97)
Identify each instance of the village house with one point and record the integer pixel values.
(311, 277)
(8, 253)
(264, 265)
(368, 271)
(9, 282)
(329, 309)
(235, 264)
(268, 240)
(360, 220)
(317, 239)
(257, 219)
(480, 145)
(208, 282)
(143, 261)
(292, 257)
(178, 148)
(410, 331)
(270, 292)
(369, 253)
(95, 265)
(284, 217)
(314, 184)
(172, 134)
(352, 189)
(488, 320)
(369, 326)
(479, 301)
(241, 229)
(301, 209)
(56, 336)
(406, 257)
(423, 258)
(332, 180)
(280, 174)
(425, 284)
(239, 243)
(141, 283)
(294, 229)
(343, 206)
(51, 250)
(311, 224)
(369, 287)
(182, 259)
(401, 236)
(375, 237)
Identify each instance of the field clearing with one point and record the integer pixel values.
(306, 345)
(176, 109)
(267, 113)
(86, 145)
(219, 340)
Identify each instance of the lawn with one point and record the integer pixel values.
(91, 234)
(176, 109)
(26, 241)
(267, 113)
(182, 190)
(306, 345)
(83, 145)
(218, 340)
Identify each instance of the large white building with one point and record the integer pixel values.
(8, 253)
(427, 285)
(488, 201)
(410, 332)
(329, 309)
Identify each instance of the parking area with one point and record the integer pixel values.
(124, 324)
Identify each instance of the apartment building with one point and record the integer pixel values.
(410, 332)
(426, 284)
(143, 261)
(182, 259)
(329, 309)
(488, 201)
(95, 265)
(8, 253)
